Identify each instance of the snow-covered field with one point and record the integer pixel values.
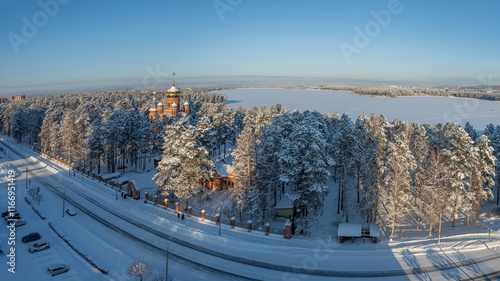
(116, 246)
(413, 109)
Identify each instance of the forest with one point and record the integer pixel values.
(392, 173)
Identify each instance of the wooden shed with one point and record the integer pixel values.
(358, 230)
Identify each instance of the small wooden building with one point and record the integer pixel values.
(358, 230)
(284, 207)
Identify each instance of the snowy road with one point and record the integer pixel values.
(236, 251)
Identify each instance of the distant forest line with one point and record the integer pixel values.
(484, 92)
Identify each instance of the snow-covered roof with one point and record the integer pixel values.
(186, 103)
(173, 89)
(174, 105)
(121, 180)
(223, 168)
(111, 176)
(349, 230)
(284, 203)
(354, 230)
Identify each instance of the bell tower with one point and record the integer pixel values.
(173, 98)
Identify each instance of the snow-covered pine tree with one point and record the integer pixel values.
(19, 126)
(302, 162)
(397, 192)
(239, 124)
(223, 123)
(34, 123)
(157, 131)
(493, 133)
(377, 126)
(138, 132)
(420, 151)
(69, 135)
(184, 166)
(483, 174)
(471, 131)
(365, 158)
(95, 145)
(244, 164)
(344, 162)
(206, 132)
(435, 194)
(460, 160)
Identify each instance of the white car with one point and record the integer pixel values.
(70, 212)
(57, 269)
(39, 246)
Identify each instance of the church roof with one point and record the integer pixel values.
(173, 89)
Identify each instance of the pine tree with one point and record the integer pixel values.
(400, 162)
(483, 174)
(184, 166)
(19, 127)
(377, 127)
(95, 145)
(460, 161)
(365, 157)
(420, 151)
(471, 131)
(244, 164)
(157, 131)
(343, 155)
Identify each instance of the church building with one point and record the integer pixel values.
(170, 108)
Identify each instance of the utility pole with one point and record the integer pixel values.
(26, 177)
(166, 260)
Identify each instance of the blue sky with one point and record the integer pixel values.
(90, 45)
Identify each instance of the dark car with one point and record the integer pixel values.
(4, 214)
(15, 216)
(31, 237)
(70, 212)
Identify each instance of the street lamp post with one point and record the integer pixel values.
(166, 260)
(64, 201)
(220, 223)
(26, 177)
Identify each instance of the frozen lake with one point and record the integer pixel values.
(413, 109)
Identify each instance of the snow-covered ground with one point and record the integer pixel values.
(117, 232)
(413, 109)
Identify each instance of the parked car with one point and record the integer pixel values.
(19, 223)
(4, 214)
(70, 212)
(1, 251)
(39, 246)
(31, 237)
(57, 269)
(15, 216)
